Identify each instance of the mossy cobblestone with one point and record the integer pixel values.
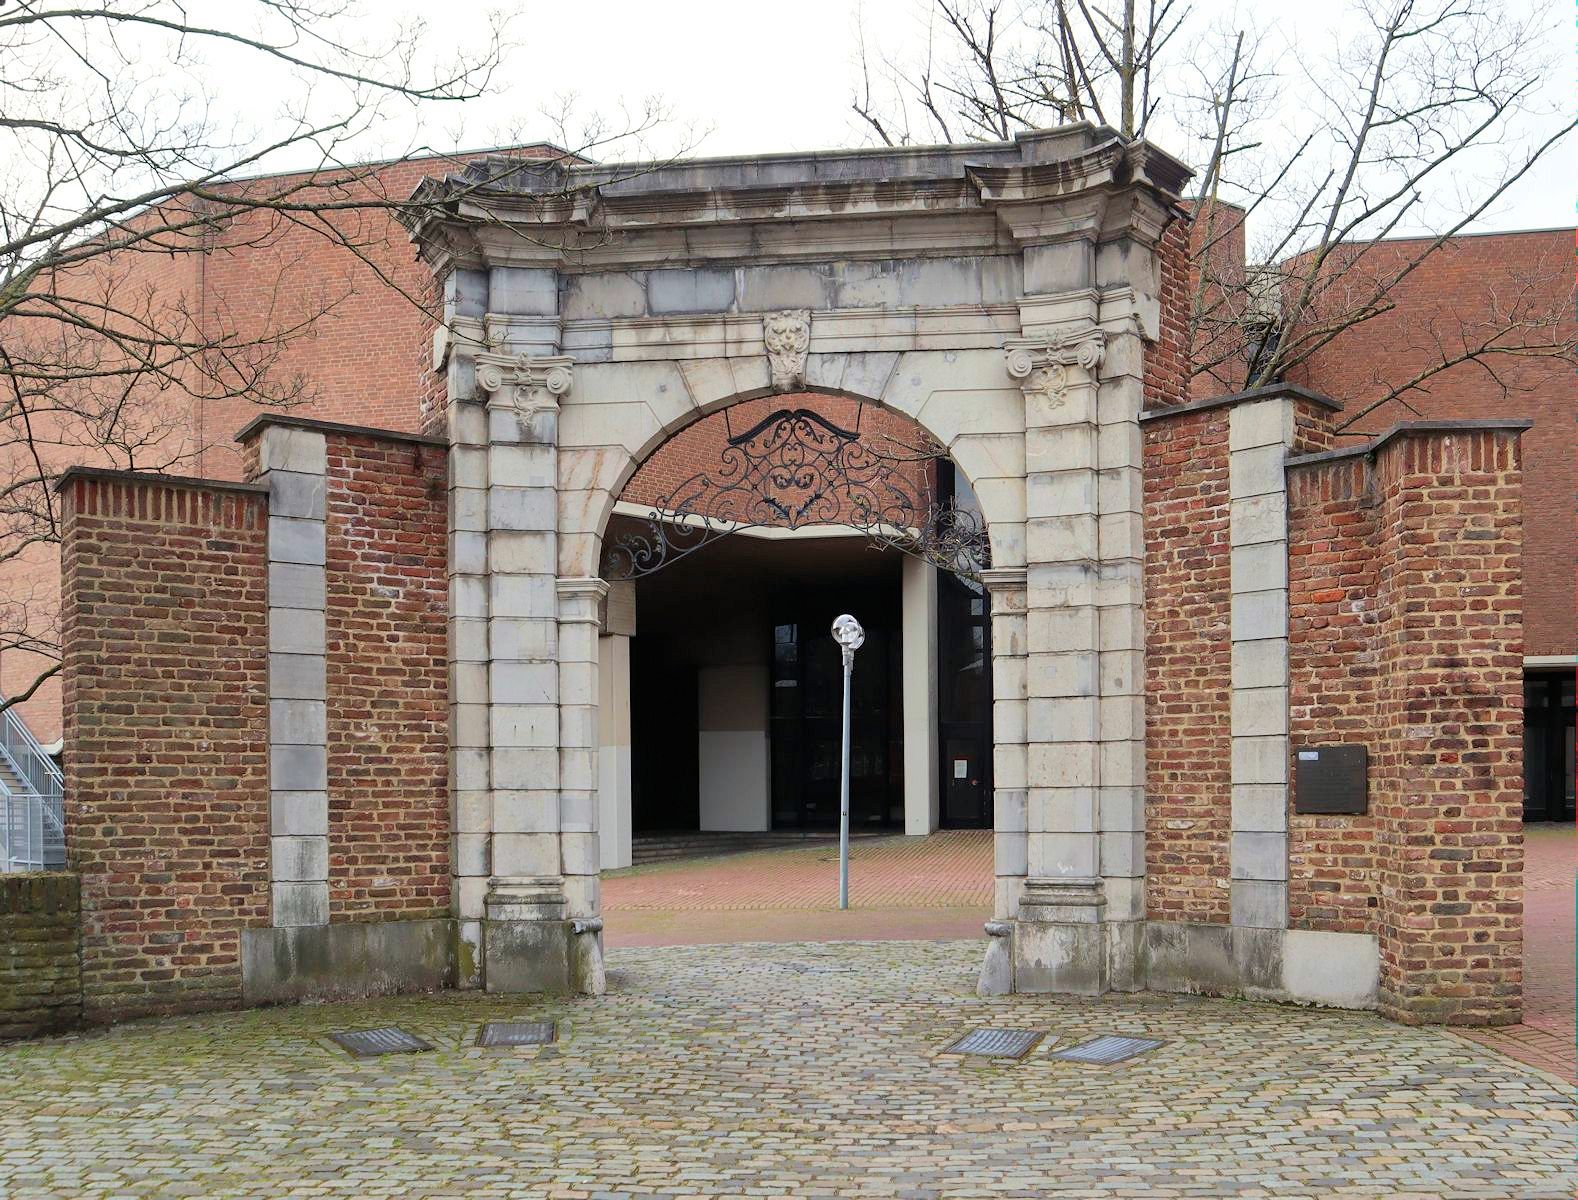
(778, 1070)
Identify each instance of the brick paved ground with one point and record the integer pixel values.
(1546, 1036)
(899, 887)
(807, 1070)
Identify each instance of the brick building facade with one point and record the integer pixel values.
(421, 667)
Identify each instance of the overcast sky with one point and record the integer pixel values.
(743, 76)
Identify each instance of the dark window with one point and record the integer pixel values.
(1548, 725)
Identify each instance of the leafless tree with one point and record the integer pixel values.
(1424, 114)
(138, 134)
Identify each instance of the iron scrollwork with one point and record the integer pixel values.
(795, 468)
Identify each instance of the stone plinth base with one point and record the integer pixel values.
(543, 956)
(346, 960)
(1081, 957)
(529, 945)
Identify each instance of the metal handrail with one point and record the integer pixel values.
(23, 829)
(43, 818)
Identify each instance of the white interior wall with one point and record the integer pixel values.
(613, 759)
(735, 789)
(919, 603)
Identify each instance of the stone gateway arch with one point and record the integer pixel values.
(1235, 745)
(1002, 297)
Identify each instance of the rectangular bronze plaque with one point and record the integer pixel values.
(997, 1043)
(1108, 1048)
(1331, 779)
(517, 1033)
(369, 1043)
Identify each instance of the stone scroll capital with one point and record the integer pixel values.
(528, 385)
(1043, 363)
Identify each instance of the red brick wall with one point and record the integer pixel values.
(165, 619)
(1471, 284)
(1447, 785)
(1334, 629)
(1404, 613)
(1188, 667)
(1167, 359)
(1216, 305)
(388, 688)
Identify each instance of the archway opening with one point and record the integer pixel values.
(729, 552)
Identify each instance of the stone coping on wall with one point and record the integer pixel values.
(152, 479)
(272, 420)
(1291, 391)
(1404, 429)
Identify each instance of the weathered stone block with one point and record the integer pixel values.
(294, 540)
(282, 448)
(298, 768)
(1260, 903)
(1259, 855)
(1260, 615)
(295, 494)
(299, 904)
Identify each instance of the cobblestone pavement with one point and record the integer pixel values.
(761, 1070)
(940, 887)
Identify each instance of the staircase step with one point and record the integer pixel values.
(666, 847)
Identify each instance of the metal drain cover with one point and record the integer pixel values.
(517, 1033)
(369, 1043)
(1110, 1048)
(997, 1043)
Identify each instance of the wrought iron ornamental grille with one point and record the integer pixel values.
(795, 468)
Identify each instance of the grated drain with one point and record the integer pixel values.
(517, 1033)
(369, 1043)
(997, 1043)
(1109, 1048)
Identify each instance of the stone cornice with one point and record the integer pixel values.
(1043, 184)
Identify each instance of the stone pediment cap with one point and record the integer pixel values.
(1406, 429)
(154, 479)
(1291, 391)
(283, 420)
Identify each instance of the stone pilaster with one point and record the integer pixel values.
(1260, 434)
(293, 464)
(526, 935)
(471, 796)
(1059, 942)
(1120, 612)
(1010, 773)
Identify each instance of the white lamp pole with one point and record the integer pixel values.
(850, 637)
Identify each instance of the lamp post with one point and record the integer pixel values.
(850, 637)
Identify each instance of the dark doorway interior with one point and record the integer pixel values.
(964, 703)
(663, 738)
(807, 709)
(1548, 745)
(728, 605)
